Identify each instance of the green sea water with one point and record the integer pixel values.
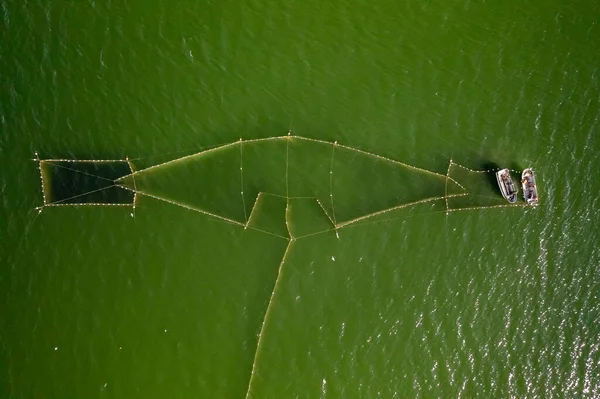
(170, 303)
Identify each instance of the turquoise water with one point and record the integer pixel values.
(485, 303)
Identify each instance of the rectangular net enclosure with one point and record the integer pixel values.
(72, 182)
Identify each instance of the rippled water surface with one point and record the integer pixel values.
(170, 303)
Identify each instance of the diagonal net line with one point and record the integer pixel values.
(79, 171)
(393, 208)
(260, 343)
(195, 149)
(380, 157)
(258, 197)
(202, 153)
(191, 208)
(81, 195)
(269, 233)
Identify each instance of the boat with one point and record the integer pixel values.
(530, 194)
(507, 187)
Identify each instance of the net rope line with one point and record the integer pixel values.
(192, 208)
(450, 178)
(486, 197)
(266, 319)
(37, 159)
(78, 171)
(241, 178)
(79, 204)
(287, 186)
(383, 211)
(195, 149)
(83, 160)
(338, 228)
(134, 186)
(288, 222)
(60, 202)
(473, 208)
(482, 170)
(252, 210)
(270, 233)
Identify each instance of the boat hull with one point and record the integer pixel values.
(507, 187)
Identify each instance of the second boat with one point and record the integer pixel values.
(530, 194)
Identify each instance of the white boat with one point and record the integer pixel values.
(530, 193)
(507, 187)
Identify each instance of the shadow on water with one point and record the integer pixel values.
(491, 177)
